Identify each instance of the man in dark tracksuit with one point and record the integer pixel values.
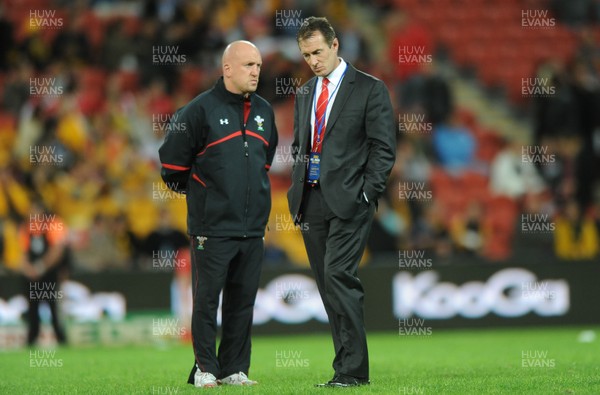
(218, 153)
(44, 241)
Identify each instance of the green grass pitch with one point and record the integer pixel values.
(500, 361)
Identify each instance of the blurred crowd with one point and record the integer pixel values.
(85, 103)
(493, 196)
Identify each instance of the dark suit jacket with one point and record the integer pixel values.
(359, 145)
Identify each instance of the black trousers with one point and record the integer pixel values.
(46, 290)
(231, 265)
(335, 248)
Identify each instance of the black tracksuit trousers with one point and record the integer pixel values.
(231, 265)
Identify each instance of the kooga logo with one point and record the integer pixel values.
(507, 293)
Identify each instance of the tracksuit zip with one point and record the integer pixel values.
(247, 155)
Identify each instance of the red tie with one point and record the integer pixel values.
(320, 117)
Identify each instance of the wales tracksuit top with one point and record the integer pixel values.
(220, 163)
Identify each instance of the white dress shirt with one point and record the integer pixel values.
(335, 78)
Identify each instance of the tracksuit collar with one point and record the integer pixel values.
(229, 96)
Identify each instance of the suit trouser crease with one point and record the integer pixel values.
(232, 266)
(335, 248)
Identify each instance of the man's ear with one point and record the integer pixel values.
(335, 44)
(226, 69)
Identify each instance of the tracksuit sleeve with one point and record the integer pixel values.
(176, 153)
(272, 144)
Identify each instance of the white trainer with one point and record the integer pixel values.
(204, 379)
(237, 379)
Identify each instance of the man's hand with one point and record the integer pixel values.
(33, 271)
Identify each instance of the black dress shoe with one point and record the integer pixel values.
(342, 380)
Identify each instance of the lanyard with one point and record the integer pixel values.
(322, 122)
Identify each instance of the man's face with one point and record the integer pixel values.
(321, 58)
(243, 69)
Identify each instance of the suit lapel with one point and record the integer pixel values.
(344, 92)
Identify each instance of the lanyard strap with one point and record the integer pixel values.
(318, 124)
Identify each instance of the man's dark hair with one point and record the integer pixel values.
(314, 24)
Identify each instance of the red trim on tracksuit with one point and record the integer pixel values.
(246, 110)
(267, 167)
(195, 177)
(175, 167)
(258, 136)
(219, 141)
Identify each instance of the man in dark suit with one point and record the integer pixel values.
(344, 149)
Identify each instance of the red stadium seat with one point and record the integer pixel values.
(128, 81)
(475, 185)
(439, 178)
(92, 78)
(190, 80)
(466, 117)
(488, 145)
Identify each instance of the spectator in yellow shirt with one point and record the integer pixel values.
(576, 235)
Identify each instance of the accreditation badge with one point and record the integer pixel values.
(314, 168)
